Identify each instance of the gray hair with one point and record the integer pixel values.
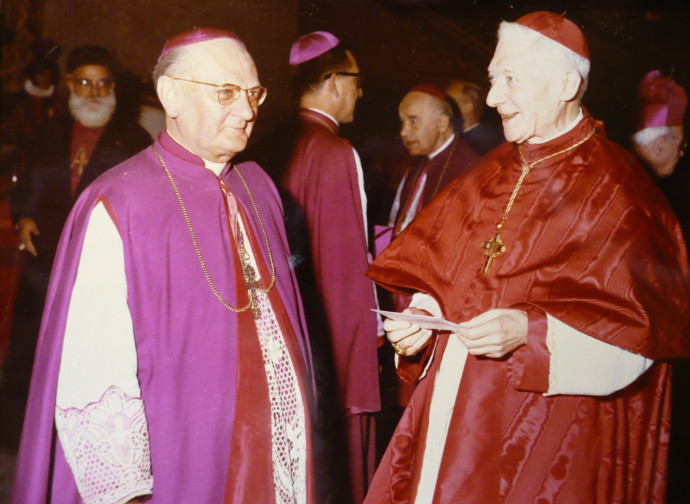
(171, 60)
(646, 136)
(549, 49)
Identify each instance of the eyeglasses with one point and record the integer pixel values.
(85, 86)
(230, 93)
(358, 75)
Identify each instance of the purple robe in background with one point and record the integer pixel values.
(186, 340)
(322, 178)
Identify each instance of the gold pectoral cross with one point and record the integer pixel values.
(79, 161)
(492, 249)
(250, 282)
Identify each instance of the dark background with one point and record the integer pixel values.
(398, 44)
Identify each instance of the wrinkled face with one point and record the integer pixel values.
(525, 92)
(671, 150)
(420, 124)
(348, 86)
(205, 127)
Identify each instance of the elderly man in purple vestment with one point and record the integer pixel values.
(172, 364)
(324, 176)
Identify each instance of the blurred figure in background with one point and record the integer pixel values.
(476, 128)
(71, 151)
(324, 176)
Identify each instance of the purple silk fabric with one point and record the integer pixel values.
(186, 339)
(322, 178)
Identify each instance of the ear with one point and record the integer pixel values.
(332, 86)
(657, 147)
(443, 122)
(70, 84)
(169, 96)
(571, 85)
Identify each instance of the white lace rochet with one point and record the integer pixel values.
(107, 447)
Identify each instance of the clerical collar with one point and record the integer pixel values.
(470, 128)
(216, 168)
(568, 129)
(324, 113)
(440, 149)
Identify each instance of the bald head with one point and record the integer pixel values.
(425, 123)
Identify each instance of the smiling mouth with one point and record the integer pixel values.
(506, 117)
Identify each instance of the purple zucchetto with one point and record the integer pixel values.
(662, 102)
(194, 36)
(311, 45)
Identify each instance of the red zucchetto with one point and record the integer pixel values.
(558, 29)
(662, 102)
(431, 90)
(196, 35)
(311, 45)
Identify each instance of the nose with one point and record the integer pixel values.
(404, 130)
(94, 91)
(495, 95)
(243, 108)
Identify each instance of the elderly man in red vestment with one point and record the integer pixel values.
(565, 272)
(324, 176)
(438, 153)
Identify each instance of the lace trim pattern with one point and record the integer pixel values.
(287, 410)
(106, 445)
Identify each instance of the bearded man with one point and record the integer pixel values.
(565, 271)
(70, 153)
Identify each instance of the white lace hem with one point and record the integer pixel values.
(106, 445)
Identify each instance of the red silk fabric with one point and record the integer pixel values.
(250, 469)
(591, 241)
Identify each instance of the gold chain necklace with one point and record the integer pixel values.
(251, 284)
(495, 246)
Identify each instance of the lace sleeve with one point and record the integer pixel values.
(107, 447)
(99, 414)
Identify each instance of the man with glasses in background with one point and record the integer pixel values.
(173, 364)
(324, 177)
(71, 152)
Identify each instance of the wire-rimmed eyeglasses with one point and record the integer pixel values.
(230, 93)
(358, 75)
(85, 86)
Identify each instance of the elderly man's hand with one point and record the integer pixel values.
(406, 338)
(25, 229)
(494, 333)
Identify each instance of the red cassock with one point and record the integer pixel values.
(590, 241)
(322, 178)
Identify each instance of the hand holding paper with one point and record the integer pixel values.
(493, 334)
(406, 337)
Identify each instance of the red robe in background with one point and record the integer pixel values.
(448, 164)
(591, 241)
(322, 178)
(454, 160)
